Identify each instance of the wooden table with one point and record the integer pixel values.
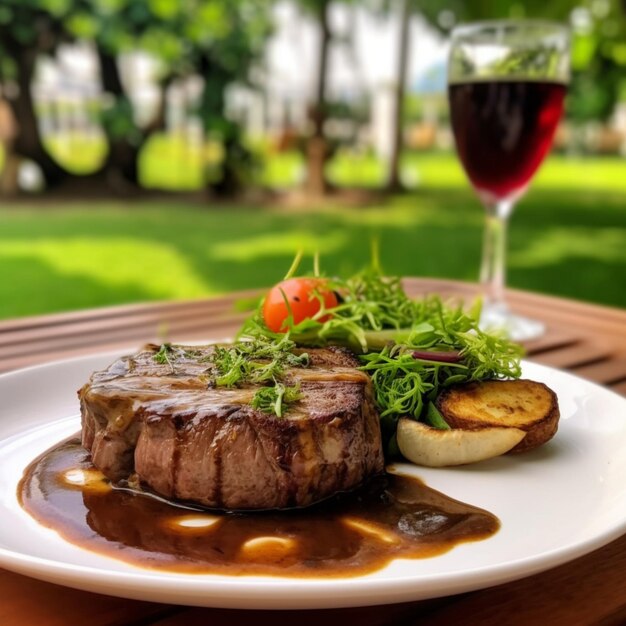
(585, 339)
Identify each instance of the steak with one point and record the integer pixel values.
(165, 425)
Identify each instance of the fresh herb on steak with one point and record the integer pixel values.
(275, 398)
(260, 361)
(167, 354)
(163, 356)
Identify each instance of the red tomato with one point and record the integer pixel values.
(303, 297)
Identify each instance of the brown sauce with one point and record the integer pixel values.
(393, 516)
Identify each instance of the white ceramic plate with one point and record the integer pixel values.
(556, 503)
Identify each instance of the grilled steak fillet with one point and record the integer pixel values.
(188, 441)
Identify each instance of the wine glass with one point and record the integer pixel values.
(506, 86)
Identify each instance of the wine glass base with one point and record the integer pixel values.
(518, 328)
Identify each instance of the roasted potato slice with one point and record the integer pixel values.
(525, 404)
(432, 447)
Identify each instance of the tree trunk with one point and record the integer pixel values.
(28, 142)
(121, 164)
(8, 132)
(394, 183)
(237, 159)
(317, 146)
(109, 74)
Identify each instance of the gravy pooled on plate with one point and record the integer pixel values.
(352, 534)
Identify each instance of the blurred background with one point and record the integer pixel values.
(161, 149)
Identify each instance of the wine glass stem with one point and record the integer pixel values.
(493, 267)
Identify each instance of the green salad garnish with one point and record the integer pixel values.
(411, 348)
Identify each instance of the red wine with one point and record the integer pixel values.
(503, 130)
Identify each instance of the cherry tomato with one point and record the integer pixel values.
(303, 297)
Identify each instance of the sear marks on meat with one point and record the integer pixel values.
(186, 440)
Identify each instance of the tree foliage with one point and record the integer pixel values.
(216, 39)
(598, 60)
(598, 42)
(445, 14)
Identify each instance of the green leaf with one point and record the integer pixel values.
(56, 7)
(82, 25)
(583, 49)
(276, 399)
(164, 9)
(6, 15)
(165, 355)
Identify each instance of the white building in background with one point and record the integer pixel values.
(619, 123)
(65, 87)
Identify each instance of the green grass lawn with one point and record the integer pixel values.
(170, 162)
(442, 170)
(568, 237)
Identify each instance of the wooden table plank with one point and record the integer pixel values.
(127, 324)
(32, 353)
(619, 388)
(101, 327)
(588, 591)
(363, 616)
(167, 309)
(576, 355)
(135, 335)
(552, 340)
(606, 372)
(29, 602)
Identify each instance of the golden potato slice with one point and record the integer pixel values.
(433, 447)
(525, 404)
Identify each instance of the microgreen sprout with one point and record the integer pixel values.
(274, 399)
(164, 354)
(260, 361)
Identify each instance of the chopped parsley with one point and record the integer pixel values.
(260, 361)
(275, 398)
(164, 355)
